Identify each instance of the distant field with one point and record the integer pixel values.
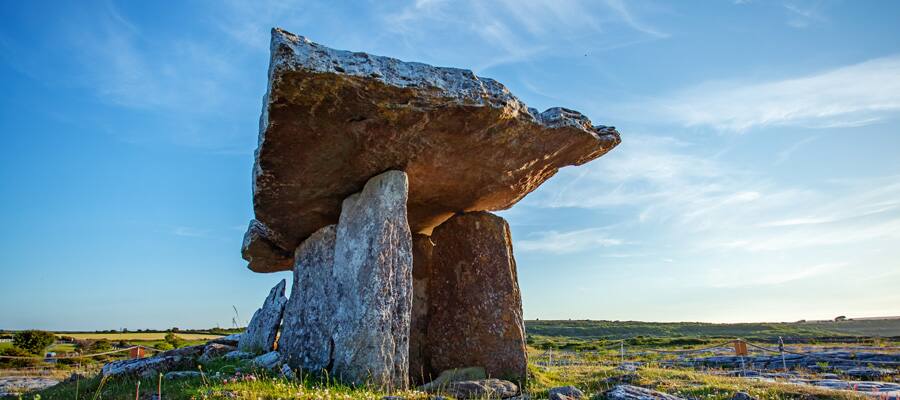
(630, 329)
(137, 336)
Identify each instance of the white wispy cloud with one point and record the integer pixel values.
(186, 231)
(568, 242)
(756, 276)
(852, 95)
(513, 31)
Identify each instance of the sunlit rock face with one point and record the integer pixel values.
(474, 315)
(333, 119)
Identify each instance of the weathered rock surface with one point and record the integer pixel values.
(482, 389)
(628, 392)
(565, 393)
(454, 375)
(181, 374)
(475, 308)
(307, 326)
(332, 119)
(742, 396)
(419, 371)
(238, 355)
(373, 278)
(270, 361)
(263, 327)
(230, 340)
(181, 358)
(147, 367)
(215, 350)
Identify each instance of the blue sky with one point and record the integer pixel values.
(758, 178)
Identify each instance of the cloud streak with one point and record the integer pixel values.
(568, 242)
(854, 95)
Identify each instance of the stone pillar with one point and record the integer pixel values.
(474, 305)
(307, 327)
(263, 327)
(373, 285)
(419, 370)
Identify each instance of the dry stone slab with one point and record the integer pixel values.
(629, 392)
(475, 308)
(373, 278)
(263, 327)
(307, 326)
(332, 119)
(482, 389)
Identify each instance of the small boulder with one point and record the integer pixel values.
(742, 396)
(230, 340)
(287, 372)
(628, 392)
(482, 389)
(270, 361)
(238, 355)
(565, 393)
(215, 350)
(454, 375)
(181, 374)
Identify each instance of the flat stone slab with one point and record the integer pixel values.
(332, 119)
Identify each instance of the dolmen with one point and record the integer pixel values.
(373, 182)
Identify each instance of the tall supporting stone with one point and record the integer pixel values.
(263, 327)
(474, 304)
(307, 326)
(373, 279)
(419, 369)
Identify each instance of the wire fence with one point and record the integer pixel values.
(79, 355)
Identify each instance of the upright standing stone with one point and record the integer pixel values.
(263, 328)
(418, 362)
(307, 326)
(373, 278)
(475, 308)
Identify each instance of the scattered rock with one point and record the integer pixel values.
(214, 350)
(238, 355)
(482, 389)
(742, 396)
(474, 294)
(287, 372)
(263, 327)
(454, 375)
(373, 271)
(868, 373)
(147, 367)
(628, 392)
(181, 374)
(270, 361)
(565, 393)
(306, 329)
(332, 119)
(619, 379)
(230, 340)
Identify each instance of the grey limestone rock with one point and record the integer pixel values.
(263, 327)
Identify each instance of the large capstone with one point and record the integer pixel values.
(474, 305)
(373, 284)
(332, 119)
(263, 327)
(305, 341)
